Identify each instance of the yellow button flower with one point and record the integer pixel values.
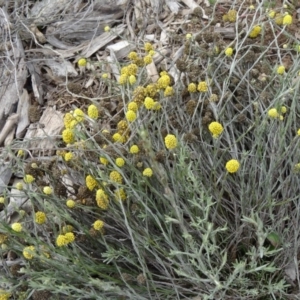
(90, 182)
(148, 172)
(29, 252)
(273, 113)
(17, 227)
(170, 141)
(192, 88)
(115, 176)
(28, 178)
(280, 70)
(130, 116)
(98, 225)
(134, 149)
(287, 20)
(232, 166)
(47, 190)
(93, 112)
(70, 203)
(229, 51)
(120, 162)
(215, 128)
(202, 87)
(40, 217)
(82, 62)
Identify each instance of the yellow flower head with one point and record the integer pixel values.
(93, 112)
(232, 166)
(273, 113)
(169, 91)
(132, 106)
(69, 237)
(283, 109)
(90, 182)
(148, 172)
(279, 19)
(82, 62)
(78, 115)
(280, 70)
(133, 55)
(287, 20)
(120, 194)
(202, 87)
(130, 116)
(272, 14)
(149, 103)
(40, 217)
(255, 31)
(170, 141)
(103, 160)
(70, 203)
(68, 156)
(134, 149)
(118, 138)
(98, 225)
(20, 153)
(106, 28)
(120, 162)
(147, 59)
(2, 200)
(298, 132)
(61, 240)
(164, 81)
(68, 136)
(102, 199)
(188, 36)
(17, 227)
(47, 190)
(229, 51)
(132, 79)
(148, 47)
(29, 252)
(19, 186)
(192, 88)
(215, 128)
(232, 15)
(28, 178)
(123, 79)
(115, 176)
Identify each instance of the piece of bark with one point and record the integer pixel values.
(121, 49)
(17, 200)
(42, 138)
(102, 40)
(35, 72)
(5, 174)
(152, 72)
(23, 112)
(173, 6)
(61, 67)
(13, 73)
(9, 126)
(227, 33)
(190, 3)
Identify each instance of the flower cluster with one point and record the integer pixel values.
(65, 239)
(115, 176)
(232, 166)
(215, 128)
(170, 141)
(102, 199)
(90, 182)
(40, 217)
